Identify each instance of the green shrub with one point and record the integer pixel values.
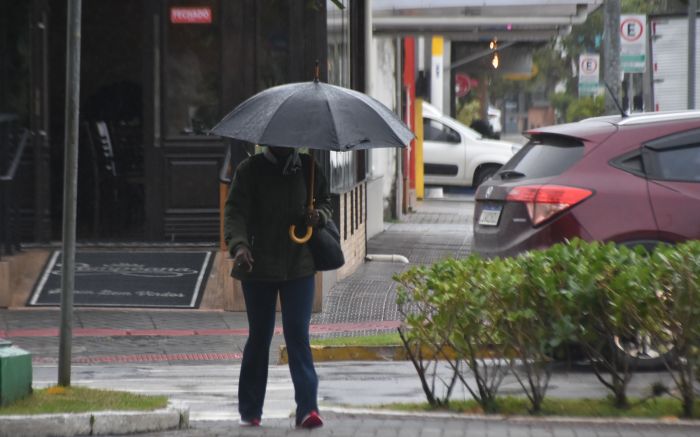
(533, 322)
(606, 303)
(448, 305)
(585, 107)
(601, 296)
(676, 271)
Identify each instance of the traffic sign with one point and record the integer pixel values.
(463, 84)
(633, 30)
(588, 74)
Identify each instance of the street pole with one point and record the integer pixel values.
(692, 13)
(630, 92)
(611, 53)
(70, 188)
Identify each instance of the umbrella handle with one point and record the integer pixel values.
(302, 240)
(309, 229)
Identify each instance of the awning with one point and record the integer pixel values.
(477, 20)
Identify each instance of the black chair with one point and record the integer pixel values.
(115, 179)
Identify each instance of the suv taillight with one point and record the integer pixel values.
(545, 201)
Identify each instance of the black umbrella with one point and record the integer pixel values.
(315, 115)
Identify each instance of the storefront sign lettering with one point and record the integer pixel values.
(190, 15)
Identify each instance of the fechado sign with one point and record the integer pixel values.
(190, 15)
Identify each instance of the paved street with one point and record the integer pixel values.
(362, 424)
(209, 388)
(193, 356)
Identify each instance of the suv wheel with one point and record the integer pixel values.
(642, 354)
(484, 172)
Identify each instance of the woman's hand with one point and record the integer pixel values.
(312, 217)
(243, 259)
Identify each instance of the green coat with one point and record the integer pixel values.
(261, 205)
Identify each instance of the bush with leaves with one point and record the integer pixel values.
(676, 271)
(585, 107)
(420, 299)
(610, 301)
(447, 305)
(535, 320)
(476, 317)
(599, 296)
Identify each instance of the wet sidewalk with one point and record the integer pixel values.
(363, 303)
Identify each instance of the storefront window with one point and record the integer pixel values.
(343, 164)
(273, 55)
(14, 59)
(338, 44)
(192, 70)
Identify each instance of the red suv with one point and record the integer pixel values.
(632, 180)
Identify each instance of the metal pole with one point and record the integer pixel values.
(398, 177)
(611, 53)
(630, 92)
(692, 13)
(70, 188)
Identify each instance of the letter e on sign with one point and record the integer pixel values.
(190, 15)
(589, 66)
(631, 29)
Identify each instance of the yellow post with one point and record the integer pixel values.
(418, 130)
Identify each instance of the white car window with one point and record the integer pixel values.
(433, 130)
(472, 134)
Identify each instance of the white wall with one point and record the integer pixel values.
(382, 161)
(670, 63)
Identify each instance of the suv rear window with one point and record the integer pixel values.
(545, 156)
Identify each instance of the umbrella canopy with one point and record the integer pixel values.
(315, 115)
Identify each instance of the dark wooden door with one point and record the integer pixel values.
(182, 101)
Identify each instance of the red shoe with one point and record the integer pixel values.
(311, 421)
(252, 422)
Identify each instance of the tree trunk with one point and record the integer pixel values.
(621, 398)
(688, 402)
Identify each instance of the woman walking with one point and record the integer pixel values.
(267, 195)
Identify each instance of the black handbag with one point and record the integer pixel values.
(325, 242)
(325, 247)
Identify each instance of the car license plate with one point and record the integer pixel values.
(490, 215)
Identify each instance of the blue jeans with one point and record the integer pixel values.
(296, 299)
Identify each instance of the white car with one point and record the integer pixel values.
(495, 121)
(454, 154)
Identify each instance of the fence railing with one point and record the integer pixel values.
(13, 141)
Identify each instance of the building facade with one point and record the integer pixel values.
(156, 75)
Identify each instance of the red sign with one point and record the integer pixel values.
(463, 84)
(190, 15)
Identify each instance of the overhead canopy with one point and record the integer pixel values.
(477, 20)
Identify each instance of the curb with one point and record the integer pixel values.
(561, 420)
(350, 353)
(361, 353)
(96, 423)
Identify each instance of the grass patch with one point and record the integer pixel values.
(512, 406)
(81, 399)
(391, 339)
